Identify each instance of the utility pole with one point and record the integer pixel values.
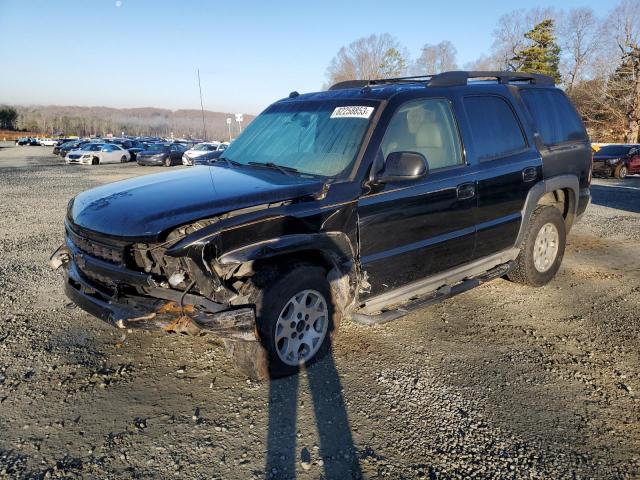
(204, 127)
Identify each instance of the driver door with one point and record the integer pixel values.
(413, 229)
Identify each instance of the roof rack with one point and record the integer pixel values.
(457, 78)
(451, 79)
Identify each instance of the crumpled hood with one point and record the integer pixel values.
(601, 158)
(146, 206)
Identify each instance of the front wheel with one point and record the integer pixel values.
(295, 319)
(95, 161)
(167, 162)
(542, 248)
(123, 159)
(621, 172)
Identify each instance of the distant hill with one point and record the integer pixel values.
(75, 120)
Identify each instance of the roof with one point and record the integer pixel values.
(382, 89)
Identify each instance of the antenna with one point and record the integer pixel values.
(204, 126)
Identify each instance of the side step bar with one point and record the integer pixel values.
(442, 293)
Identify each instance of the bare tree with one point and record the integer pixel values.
(372, 57)
(437, 58)
(623, 88)
(580, 37)
(509, 34)
(484, 63)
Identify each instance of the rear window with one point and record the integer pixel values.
(495, 128)
(554, 116)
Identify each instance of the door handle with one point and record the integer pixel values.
(529, 174)
(466, 190)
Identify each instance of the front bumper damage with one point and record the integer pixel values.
(161, 309)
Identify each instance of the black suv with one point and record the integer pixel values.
(367, 201)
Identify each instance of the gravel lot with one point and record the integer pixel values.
(500, 382)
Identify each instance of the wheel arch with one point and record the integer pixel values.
(561, 192)
(332, 251)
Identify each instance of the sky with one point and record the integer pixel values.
(146, 53)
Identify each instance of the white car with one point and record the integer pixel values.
(201, 149)
(48, 142)
(96, 153)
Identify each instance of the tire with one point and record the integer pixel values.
(281, 323)
(95, 161)
(537, 268)
(621, 172)
(123, 159)
(167, 162)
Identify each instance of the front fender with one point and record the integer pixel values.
(335, 245)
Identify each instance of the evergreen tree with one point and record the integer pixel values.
(542, 53)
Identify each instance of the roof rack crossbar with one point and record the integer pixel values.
(451, 79)
(379, 81)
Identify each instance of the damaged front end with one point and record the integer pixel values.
(150, 286)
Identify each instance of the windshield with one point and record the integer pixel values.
(157, 147)
(318, 138)
(93, 147)
(205, 147)
(613, 150)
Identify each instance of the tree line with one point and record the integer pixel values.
(596, 60)
(87, 121)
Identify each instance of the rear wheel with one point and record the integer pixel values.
(123, 159)
(621, 171)
(542, 248)
(294, 317)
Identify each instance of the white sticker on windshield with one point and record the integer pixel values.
(356, 111)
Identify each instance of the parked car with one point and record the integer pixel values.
(48, 142)
(206, 159)
(65, 148)
(34, 142)
(617, 161)
(369, 200)
(167, 154)
(23, 141)
(97, 153)
(201, 149)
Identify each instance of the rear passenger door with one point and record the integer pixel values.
(411, 229)
(507, 167)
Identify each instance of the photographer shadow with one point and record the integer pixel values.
(336, 447)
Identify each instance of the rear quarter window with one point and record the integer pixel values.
(555, 118)
(495, 129)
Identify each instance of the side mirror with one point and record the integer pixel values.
(402, 166)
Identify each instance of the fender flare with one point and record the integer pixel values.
(547, 185)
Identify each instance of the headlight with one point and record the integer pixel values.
(86, 156)
(613, 161)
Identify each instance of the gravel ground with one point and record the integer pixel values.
(500, 382)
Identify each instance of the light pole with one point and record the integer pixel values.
(239, 120)
(229, 127)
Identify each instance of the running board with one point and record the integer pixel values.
(442, 293)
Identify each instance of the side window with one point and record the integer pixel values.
(554, 116)
(495, 129)
(428, 127)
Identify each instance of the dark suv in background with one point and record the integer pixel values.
(368, 200)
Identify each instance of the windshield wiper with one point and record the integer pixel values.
(286, 170)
